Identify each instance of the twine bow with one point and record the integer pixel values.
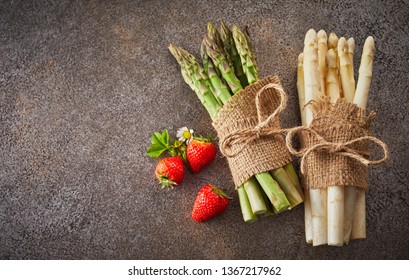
(246, 136)
(340, 148)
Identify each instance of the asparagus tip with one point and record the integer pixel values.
(322, 35)
(351, 43)
(342, 45)
(332, 40)
(369, 43)
(310, 37)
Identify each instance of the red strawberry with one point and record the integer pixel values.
(200, 152)
(210, 202)
(170, 171)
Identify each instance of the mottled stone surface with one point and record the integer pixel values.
(83, 84)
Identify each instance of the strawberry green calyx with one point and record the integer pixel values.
(219, 192)
(179, 148)
(166, 182)
(208, 139)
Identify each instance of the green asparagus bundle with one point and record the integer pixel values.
(229, 65)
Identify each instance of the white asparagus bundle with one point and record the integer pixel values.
(334, 215)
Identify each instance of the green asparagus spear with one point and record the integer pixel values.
(248, 215)
(220, 61)
(273, 191)
(255, 197)
(214, 34)
(287, 186)
(194, 78)
(247, 60)
(251, 45)
(203, 77)
(289, 168)
(269, 206)
(221, 90)
(231, 53)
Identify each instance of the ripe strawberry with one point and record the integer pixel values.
(170, 171)
(210, 202)
(200, 152)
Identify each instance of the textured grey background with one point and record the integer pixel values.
(83, 84)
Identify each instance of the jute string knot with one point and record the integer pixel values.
(262, 129)
(341, 148)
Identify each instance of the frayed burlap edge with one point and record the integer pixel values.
(334, 149)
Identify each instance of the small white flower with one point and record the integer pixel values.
(184, 134)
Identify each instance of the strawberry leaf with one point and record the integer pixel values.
(159, 143)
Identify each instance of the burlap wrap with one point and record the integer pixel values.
(334, 148)
(264, 147)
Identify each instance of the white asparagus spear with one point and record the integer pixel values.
(333, 41)
(359, 223)
(335, 193)
(361, 98)
(351, 49)
(333, 44)
(365, 73)
(348, 89)
(322, 53)
(347, 79)
(301, 99)
(311, 75)
(318, 197)
(332, 80)
(350, 192)
(349, 211)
